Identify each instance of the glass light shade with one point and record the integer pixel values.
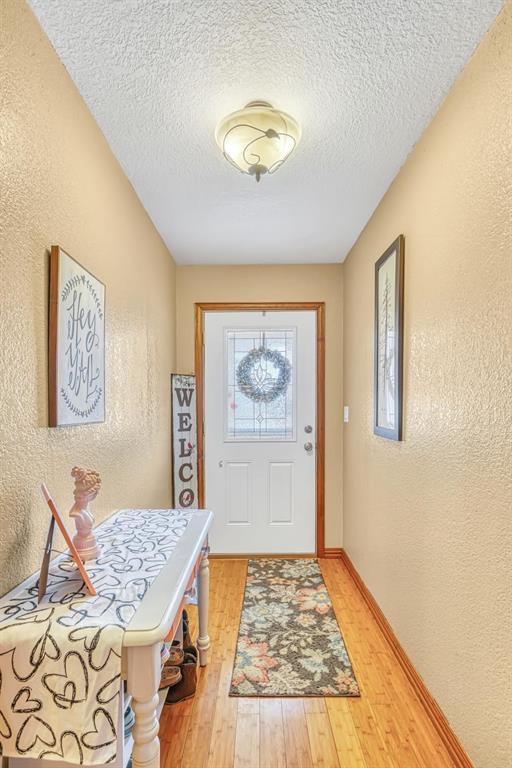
(257, 139)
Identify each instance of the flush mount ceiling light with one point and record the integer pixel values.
(257, 139)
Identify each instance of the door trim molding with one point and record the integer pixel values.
(332, 553)
(283, 306)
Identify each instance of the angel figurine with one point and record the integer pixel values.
(87, 486)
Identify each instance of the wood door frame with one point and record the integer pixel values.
(282, 306)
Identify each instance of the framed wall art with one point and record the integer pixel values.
(76, 373)
(184, 440)
(75, 557)
(388, 341)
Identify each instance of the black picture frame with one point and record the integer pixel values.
(388, 342)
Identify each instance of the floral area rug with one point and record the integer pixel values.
(289, 642)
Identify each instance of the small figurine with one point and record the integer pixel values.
(87, 486)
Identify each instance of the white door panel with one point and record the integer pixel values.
(281, 492)
(259, 479)
(237, 485)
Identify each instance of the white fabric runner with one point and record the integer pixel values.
(60, 661)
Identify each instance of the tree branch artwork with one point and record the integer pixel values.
(386, 349)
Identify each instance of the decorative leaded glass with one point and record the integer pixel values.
(260, 378)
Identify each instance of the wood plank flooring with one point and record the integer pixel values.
(385, 728)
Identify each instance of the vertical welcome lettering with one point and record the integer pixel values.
(184, 440)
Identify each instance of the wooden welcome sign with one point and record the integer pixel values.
(184, 440)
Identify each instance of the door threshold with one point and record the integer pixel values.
(260, 556)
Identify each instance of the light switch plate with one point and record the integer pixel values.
(345, 414)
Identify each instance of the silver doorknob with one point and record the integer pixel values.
(308, 447)
(308, 429)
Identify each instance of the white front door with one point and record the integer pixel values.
(260, 430)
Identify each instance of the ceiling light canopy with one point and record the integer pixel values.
(257, 139)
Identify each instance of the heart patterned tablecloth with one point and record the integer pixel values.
(60, 661)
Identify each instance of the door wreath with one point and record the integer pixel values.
(256, 381)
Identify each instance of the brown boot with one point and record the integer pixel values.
(187, 640)
(170, 676)
(186, 687)
(191, 650)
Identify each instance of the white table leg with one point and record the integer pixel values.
(203, 590)
(143, 679)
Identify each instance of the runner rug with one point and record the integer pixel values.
(289, 642)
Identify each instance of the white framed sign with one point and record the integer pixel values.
(76, 374)
(184, 441)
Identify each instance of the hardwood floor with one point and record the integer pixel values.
(385, 728)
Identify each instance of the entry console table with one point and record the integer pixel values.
(156, 618)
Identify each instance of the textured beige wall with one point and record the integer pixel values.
(59, 183)
(427, 521)
(278, 283)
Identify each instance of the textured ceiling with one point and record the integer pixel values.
(362, 77)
